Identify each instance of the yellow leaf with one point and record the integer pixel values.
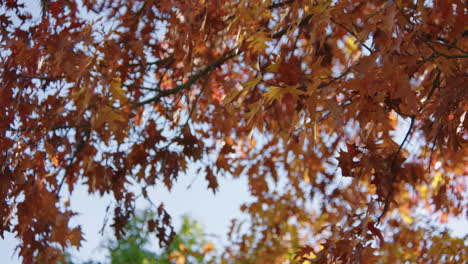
(174, 255)
(252, 82)
(116, 89)
(274, 93)
(246, 87)
(55, 161)
(180, 260)
(437, 180)
(257, 42)
(109, 116)
(182, 246)
(305, 176)
(83, 96)
(273, 68)
(423, 191)
(294, 90)
(253, 109)
(408, 219)
(207, 247)
(350, 45)
(277, 93)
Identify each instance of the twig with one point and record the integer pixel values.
(449, 46)
(343, 74)
(439, 53)
(353, 34)
(343, 105)
(166, 61)
(79, 147)
(42, 78)
(301, 23)
(194, 78)
(435, 85)
(432, 153)
(394, 171)
(280, 4)
(193, 106)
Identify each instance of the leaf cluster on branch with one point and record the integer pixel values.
(347, 118)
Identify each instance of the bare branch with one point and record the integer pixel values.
(194, 78)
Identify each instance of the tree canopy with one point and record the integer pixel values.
(347, 118)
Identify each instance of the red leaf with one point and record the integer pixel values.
(376, 232)
(212, 181)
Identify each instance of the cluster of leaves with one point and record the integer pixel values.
(304, 98)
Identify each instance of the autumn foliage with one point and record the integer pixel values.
(347, 118)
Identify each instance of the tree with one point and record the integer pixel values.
(348, 118)
(188, 246)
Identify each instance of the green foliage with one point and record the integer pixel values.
(190, 242)
(131, 248)
(135, 247)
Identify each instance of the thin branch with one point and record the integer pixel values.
(36, 129)
(26, 76)
(343, 106)
(353, 34)
(141, 87)
(192, 109)
(304, 21)
(79, 147)
(194, 78)
(394, 171)
(439, 53)
(435, 85)
(343, 74)
(449, 46)
(162, 62)
(432, 152)
(280, 4)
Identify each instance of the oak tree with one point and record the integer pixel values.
(347, 118)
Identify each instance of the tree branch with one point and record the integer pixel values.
(283, 31)
(439, 53)
(165, 62)
(353, 34)
(79, 147)
(394, 171)
(194, 78)
(42, 78)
